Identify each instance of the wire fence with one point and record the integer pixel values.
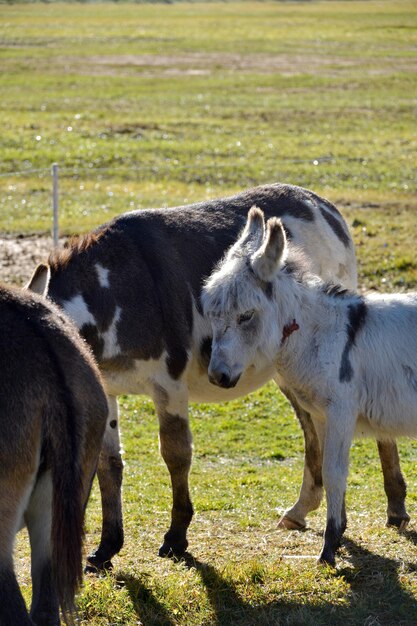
(68, 182)
(75, 198)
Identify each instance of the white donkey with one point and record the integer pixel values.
(349, 360)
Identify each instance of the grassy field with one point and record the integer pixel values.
(145, 105)
(155, 105)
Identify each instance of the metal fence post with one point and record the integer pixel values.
(55, 228)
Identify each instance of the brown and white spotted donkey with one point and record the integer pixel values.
(133, 288)
(53, 414)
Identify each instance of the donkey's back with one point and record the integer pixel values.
(133, 286)
(52, 417)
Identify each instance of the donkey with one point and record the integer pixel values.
(350, 361)
(53, 412)
(133, 288)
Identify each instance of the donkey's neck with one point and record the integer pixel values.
(304, 312)
(294, 304)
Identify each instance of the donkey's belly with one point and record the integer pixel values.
(140, 379)
(137, 379)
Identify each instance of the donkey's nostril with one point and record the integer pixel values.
(224, 380)
(220, 378)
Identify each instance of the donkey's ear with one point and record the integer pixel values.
(254, 231)
(40, 280)
(270, 256)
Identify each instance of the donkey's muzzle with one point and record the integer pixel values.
(223, 379)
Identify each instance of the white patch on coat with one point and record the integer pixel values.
(103, 275)
(175, 402)
(111, 347)
(111, 442)
(77, 309)
(323, 250)
(139, 379)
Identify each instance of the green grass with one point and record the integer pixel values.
(164, 104)
(243, 570)
(154, 105)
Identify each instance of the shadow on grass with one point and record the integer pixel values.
(376, 597)
(149, 610)
(410, 535)
(376, 586)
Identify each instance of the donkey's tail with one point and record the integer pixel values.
(64, 439)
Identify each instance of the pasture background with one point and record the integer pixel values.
(156, 105)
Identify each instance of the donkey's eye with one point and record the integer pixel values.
(245, 317)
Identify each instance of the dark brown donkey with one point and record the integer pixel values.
(53, 413)
(133, 288)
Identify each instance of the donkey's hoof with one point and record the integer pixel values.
(44, 618)
(291, 524)
(173, 551)
(97, 566)
(327, 558)
(398, 521)
(98, 570)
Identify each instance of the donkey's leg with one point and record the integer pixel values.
(45, 606)
(394, 484)
(12, 606)
(109, 472)
(339, 430)
(175, 440)
(13, 497)
(311, 492)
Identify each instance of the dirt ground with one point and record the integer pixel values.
(19, 257)
(203, 64)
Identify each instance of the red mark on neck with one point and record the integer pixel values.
(288, 330)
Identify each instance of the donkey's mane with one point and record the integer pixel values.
(335, 290)
(75, 245)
